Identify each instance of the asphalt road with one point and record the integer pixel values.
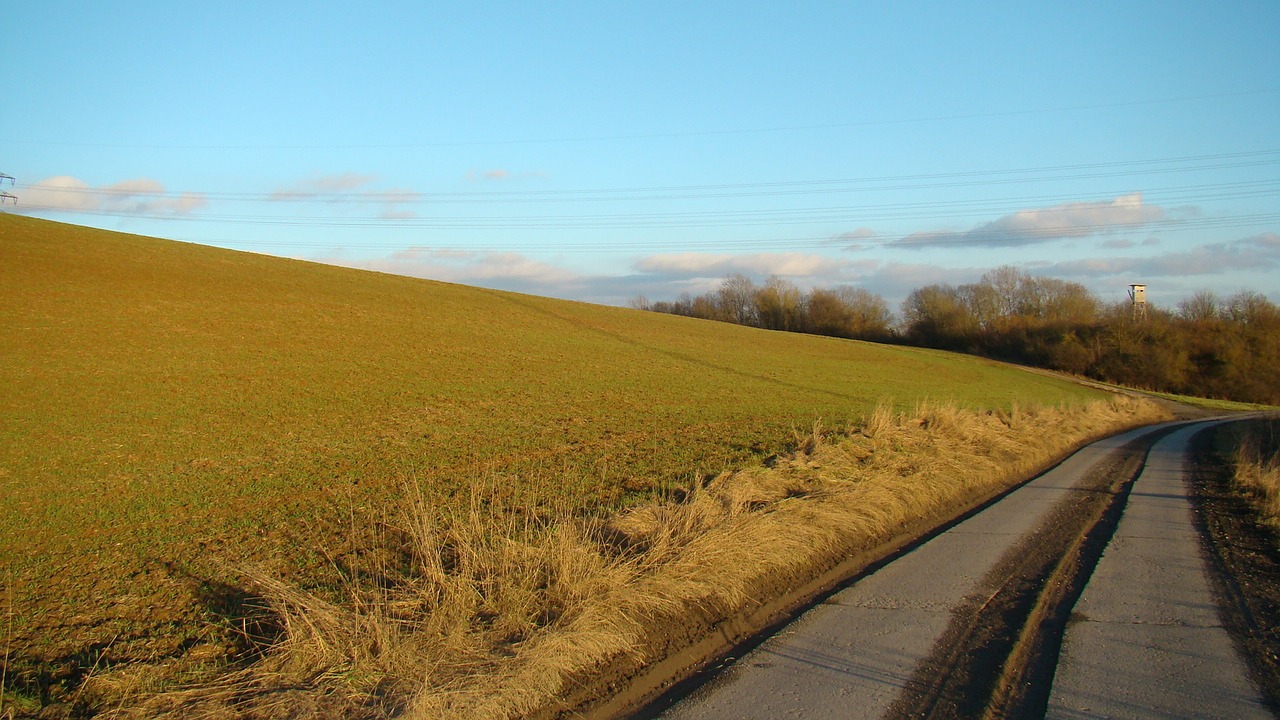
(1147, 621)
(1145, 639)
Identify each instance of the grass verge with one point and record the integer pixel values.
(488, 609)
(1257, 467)
(1234, 477)
(1211, 403)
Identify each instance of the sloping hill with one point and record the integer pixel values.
(169, 411)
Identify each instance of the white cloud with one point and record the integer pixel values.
(350, 187)
(659, 277)
(862, 233)
(392, 212)
(791, 265)
(392, 200)
(686, 263)
(855, 239)
(1118, 244)
(1068, 220)
(1267, 240)
(503, 270)
(1259, 252)
(139, 186)
(666, 276)
(318, 185)
(501, 266)
(501, 174)
(61, 192)
(138, 196)
(1126, 244)
(518, 273)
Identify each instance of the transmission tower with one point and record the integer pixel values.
(4, 195)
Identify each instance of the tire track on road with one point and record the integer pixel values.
(1148, 638)
(902, 637)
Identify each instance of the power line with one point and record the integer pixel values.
(924, 181)
(430, 210)
(862, 213)
(976, 238)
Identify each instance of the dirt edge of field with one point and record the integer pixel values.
(1242, 541)
(594, 617)
(651, 689)
(677, 646)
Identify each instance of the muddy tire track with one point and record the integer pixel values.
(998, 654)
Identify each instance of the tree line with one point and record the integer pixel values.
(845, 311)
(1223, 347)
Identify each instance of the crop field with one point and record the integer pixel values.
(173, 413)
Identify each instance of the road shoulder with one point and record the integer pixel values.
(1244, 557)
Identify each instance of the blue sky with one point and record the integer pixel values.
(598, 152)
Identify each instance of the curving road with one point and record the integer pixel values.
(927, 634)
(1146, 639)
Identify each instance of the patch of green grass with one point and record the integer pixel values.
(170, 411)
(1191, 400)
(1211, 403)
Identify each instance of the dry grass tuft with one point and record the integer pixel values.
(1257, 467)
(879, 422)
(494, 611)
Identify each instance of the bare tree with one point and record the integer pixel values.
(736, 300)
(1007, 294)
(827, 314)
(939, 315)
(1250, 308)
(1066, 302)
(778, 305)
(1203, 305)
(871, 318)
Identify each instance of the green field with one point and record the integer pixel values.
(169, 412)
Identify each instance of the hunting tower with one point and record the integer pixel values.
(1138, 294)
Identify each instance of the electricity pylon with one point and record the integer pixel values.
(4, 195)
